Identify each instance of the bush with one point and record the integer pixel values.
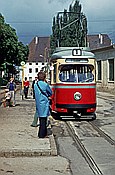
(3, 82)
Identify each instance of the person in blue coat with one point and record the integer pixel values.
(42, 93)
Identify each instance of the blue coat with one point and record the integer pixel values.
(42, 102)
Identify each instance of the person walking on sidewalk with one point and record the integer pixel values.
(42, 92)
(34, 81)
(12, 88)
(26, 87)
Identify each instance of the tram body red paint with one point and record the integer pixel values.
(66, 95)
(73, 82)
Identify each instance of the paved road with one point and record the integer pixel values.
(21, 152)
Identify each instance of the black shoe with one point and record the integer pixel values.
(34, 125)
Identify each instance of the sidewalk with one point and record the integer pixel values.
(21, 151)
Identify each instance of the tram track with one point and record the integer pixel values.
(109, 98)
(102, 133)
(92, 164)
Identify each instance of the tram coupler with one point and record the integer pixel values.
(76, 114)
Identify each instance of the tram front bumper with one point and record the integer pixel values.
(76, 115)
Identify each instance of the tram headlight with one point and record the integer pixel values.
(77, 96)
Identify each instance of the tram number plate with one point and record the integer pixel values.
(77, 113)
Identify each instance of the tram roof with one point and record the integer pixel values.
(67, 52)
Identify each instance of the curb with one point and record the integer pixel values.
(31, 153)
(53, 145)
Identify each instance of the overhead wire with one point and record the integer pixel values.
(105, 30)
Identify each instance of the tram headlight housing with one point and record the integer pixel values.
(77, 96)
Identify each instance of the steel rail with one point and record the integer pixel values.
(110, 98)
(93, 166)
(102, 133)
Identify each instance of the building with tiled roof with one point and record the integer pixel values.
(39, 46)
(101, 45)
(39, 49)
(98, 41)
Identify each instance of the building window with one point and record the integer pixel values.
(111, 69)
(30, 63)
(99, 68)
(30, 70)
(36, 70)
(30, 79)
(36, 63)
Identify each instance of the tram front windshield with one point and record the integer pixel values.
(76, 73)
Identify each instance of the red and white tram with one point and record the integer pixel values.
(73, 83)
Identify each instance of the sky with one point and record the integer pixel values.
(33, 18)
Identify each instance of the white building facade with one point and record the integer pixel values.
(31, 70)
(105, 67)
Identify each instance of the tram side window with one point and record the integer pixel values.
(62, 76)
(54, 73)
(76, 73)
(84, 73)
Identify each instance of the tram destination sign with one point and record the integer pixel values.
(76, 52)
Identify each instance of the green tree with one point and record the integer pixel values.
(8, 43)
(69, 28)
(23, 52)
(12, 52)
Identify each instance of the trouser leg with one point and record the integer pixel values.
(13, 97)
(42, 128)
(25, 91)
(33, 94)
(35, 121)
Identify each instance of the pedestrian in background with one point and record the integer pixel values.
(12, 88)
(34, 81)
(26, 87)
(42, 92)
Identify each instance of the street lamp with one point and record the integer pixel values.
(45, 55)
(46, 63)
(23, 66)
(43, 58)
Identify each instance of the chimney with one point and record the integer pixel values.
(36, 40)
(100, 38)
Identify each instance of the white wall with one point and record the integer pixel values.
(27, 66)
(31, 76)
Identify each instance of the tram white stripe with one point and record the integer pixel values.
(74, 87)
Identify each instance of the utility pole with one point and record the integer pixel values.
(22, 90)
